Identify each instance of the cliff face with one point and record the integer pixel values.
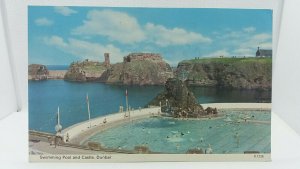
(179, 101)
(37, 72)
(136, 69)
(244, 73)
(139, 69)
(85, 71)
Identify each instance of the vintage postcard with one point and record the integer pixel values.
(122, 84)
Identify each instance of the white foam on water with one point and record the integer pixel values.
(175, 139)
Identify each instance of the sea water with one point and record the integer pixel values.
(46, 96)
(57, 67)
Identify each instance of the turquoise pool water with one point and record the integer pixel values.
(168, 135)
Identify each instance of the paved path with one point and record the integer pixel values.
(44, 147)
(254, 106)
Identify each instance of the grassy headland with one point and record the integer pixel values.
(244, 73)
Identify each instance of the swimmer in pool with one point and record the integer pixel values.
(201, 139)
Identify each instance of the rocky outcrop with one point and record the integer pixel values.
(179, 101)
(136, 69)
(139, 69)
(243, 73)
(85, 71)
(37, 72)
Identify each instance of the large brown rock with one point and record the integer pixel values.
(179, 101)
(37, 72)
(136, 69)
(85, 71)
(140, 69)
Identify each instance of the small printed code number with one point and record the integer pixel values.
(258, 156)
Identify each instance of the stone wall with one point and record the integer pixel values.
(57, 74)
(142, 56)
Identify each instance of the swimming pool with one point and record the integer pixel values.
(235, 132)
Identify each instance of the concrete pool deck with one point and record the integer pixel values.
(251, 106)
(78, 132)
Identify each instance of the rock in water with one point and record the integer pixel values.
(140, 69)
(37, 72)
(136, 69)
(179, 101)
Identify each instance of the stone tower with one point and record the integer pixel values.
(106, 59)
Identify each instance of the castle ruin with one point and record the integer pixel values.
(106, 59)
(142, 56)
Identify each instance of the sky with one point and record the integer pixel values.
(61, 35)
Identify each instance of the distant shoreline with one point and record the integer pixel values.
(239, 73)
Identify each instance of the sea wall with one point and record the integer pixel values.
(56, 74)
(250, 106)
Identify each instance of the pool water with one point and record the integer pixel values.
(227, 134)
